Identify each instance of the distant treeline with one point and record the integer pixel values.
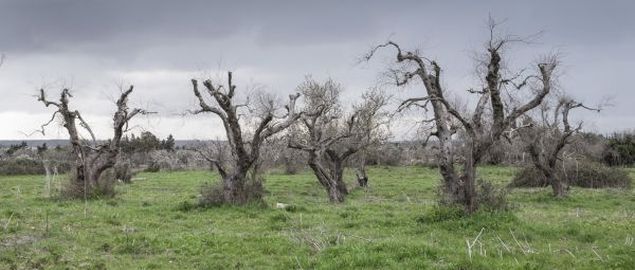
(143, 150)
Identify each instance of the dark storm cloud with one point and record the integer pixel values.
(158, 45)
(63, 25)
(28, 25)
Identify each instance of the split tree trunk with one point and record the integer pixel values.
(332, 180)
(91, 159)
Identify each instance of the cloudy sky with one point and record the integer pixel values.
(95, 47)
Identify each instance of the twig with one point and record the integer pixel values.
(596, 254)
(568, 252)
(517, 243)
(6, 225)
(503, 243)
(470, 245)
(298, 262)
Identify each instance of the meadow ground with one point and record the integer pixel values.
(152, 224)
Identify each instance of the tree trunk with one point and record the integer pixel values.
(333, 182)
(559, 188)
(469, 184)
(337, 191)
(234, 187)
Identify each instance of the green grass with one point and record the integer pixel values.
(392, 225)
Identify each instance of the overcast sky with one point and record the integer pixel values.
(94, 47)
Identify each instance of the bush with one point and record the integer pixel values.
(620, 149)
(454, 218)
(154, 167)
(291, 168)
(212, 194)
(491, 197)
(440, 214)
(19, 166)
(75, 189)
(123, 172)
(584, 174)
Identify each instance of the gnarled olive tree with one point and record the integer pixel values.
(491, 118)
(244, 141)
(91, 157)
(329, 136)
(546, 139)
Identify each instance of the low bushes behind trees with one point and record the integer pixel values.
(25, 166)
(584, 174)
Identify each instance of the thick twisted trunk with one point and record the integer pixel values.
(461, 190)
(332, 181)
(559, 188)
(234, 188)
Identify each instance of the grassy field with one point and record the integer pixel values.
(151, 224)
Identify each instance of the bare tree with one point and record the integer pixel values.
(91, 157)
(481, 132)
(245, 151)
(545, 141)
(330, 138)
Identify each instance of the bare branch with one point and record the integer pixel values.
(413, 102)
(85, 125)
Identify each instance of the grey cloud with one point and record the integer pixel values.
(158, 45)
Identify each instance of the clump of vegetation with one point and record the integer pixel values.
(213, 195)
(153, 167)
(620, 149)
(455, 217)
(123, 172)
(104, 188)
(21, 166)
(583, 174)
(490, 198)
(441, 213)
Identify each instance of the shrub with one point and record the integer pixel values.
(105, 188)
(154, 167)
(454, 218)
(584, 174)
(440, 214)
(291, 168)
(186, 206)
(123, 172)
(491, 197)
(212, 194)
(620, 149)
(20, 166)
